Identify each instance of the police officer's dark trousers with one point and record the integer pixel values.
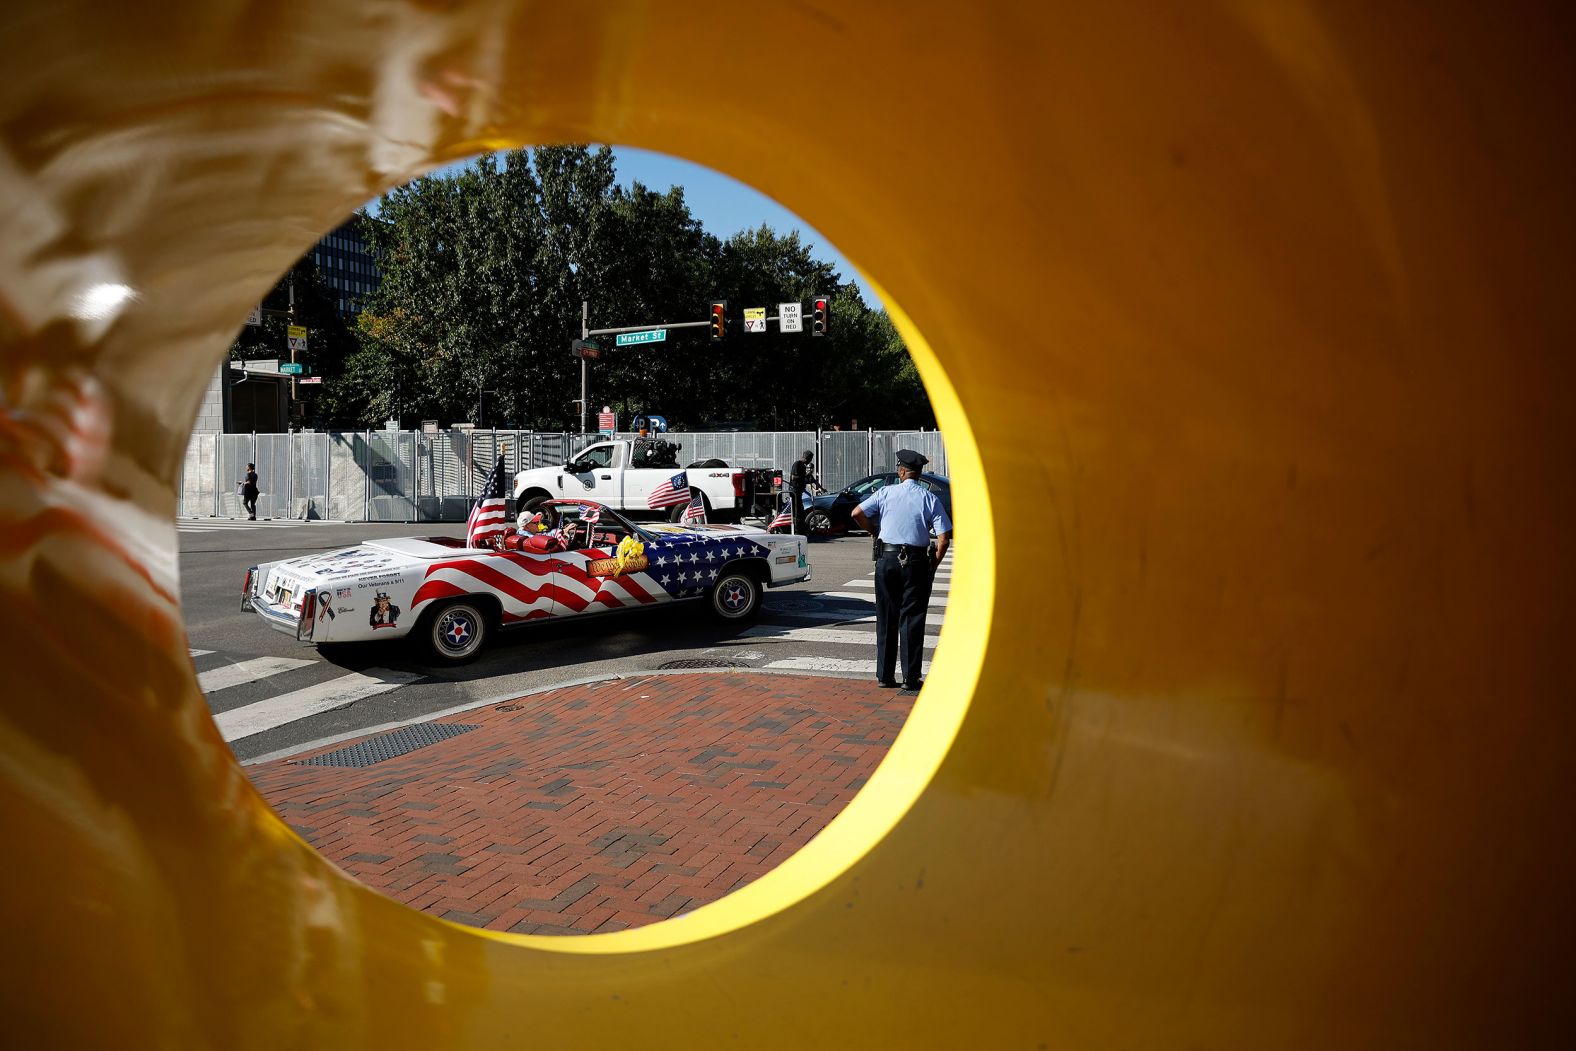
(902, 600)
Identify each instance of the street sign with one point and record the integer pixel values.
(256, 316)
(290, 368)
(296, 336)
(607, 420)
(630, 339)
(755, 319)
(584, 349)
(789, 318)
(311, 379)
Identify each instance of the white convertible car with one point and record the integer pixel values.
(451, 598)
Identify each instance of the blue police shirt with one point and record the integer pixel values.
(909, 512)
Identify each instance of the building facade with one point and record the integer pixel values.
(346, 265)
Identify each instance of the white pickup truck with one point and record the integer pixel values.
(622, 473)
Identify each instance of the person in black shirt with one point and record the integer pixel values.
(800, 478)
(249, 491)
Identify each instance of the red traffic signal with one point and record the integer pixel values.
(719, 319)
(819, 314)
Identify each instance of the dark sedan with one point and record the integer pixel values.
(829, 514)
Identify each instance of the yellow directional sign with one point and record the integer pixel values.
(755, 319)
(297, 337)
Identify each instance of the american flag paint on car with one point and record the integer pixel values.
(608, 564)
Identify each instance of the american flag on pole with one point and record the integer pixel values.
(670, 493)
(784, 519)
(696, 511)
(490, 515)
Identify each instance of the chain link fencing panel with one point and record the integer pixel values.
(308, 476)
(347, 476)
(844, 459)
(401, 476)
(391, 476)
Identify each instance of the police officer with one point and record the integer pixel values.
(800, 478)
(907, 514)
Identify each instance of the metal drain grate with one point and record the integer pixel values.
(390, 745)
(711, 662)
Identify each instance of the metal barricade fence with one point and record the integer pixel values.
(406, 476)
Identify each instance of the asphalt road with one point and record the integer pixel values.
(271, 693)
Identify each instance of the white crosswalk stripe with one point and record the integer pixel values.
(229, 675)
(858, 596)
(311, 700)
(852, 638)
(210, 525)
(935, 587)
(842, 629)
(286, 688)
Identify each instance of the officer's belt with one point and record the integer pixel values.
(894, 549)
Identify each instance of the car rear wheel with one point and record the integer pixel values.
(457, 632)
(735, 597)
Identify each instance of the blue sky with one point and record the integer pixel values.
(723, 204)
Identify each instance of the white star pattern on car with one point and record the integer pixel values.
(694, 558)
(710, 555)
(714, 574)
(683, 577)
(662, 561)
(665, 579)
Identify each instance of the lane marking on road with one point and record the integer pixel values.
(810, 614)
(823, 635)
(199, 653)
(935, 600)
(229, 675)
(872, 583)
(299, 704)
(835, 665)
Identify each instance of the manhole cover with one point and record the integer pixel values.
(710, 662)
(390, 745)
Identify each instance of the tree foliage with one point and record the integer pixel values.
(483, 276)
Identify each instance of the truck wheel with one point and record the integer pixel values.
(735, 597)
(676, 514)
(529, 505)
(456, 633)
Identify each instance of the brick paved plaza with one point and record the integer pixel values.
(596, 807)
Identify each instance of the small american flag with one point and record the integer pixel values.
(696, 511)
(784, 519)
(489, 517)
(670, 493)
(591, 515)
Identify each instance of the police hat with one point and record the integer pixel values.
(911, 459)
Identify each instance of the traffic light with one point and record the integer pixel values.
(819, 312)
(719, 319)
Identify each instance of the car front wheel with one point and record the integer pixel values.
(736, 597)
(817, 522)
(456, 633)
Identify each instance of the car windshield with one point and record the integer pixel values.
(871, 484)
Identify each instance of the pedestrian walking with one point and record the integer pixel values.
(249, 491)
(800, 478)
(907, 516)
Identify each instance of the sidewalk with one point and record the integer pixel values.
(597, 807)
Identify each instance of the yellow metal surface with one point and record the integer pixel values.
(1249, 328)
